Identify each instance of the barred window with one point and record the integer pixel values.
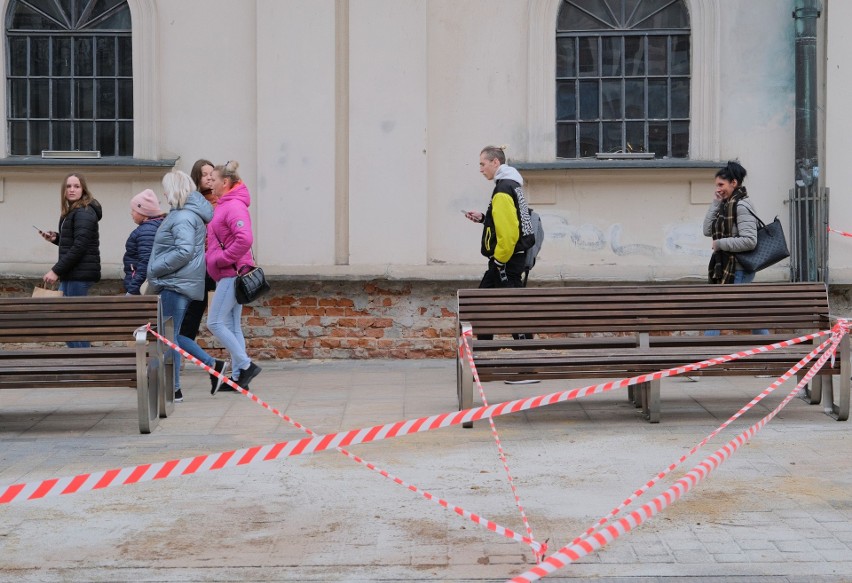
(69, 76)
(622, 78)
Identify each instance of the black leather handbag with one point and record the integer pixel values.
(770, 249)
(250, 285)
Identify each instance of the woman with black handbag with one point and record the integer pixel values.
(732, 224)
(229, 241)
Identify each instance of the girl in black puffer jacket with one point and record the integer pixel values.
(79, 264)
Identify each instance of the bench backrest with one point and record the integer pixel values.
(657, 308)
(94, 318)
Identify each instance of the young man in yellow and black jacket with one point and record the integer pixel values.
(506, 228)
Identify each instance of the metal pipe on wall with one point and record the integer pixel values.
(807, 205)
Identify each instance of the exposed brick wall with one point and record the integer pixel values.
(353, 319)
(335, 319)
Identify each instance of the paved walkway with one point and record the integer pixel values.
(779, 510)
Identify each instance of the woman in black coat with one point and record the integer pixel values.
(79, 264)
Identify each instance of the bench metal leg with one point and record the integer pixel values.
(651, 401)
(147, 384)
(839, 408)
(464, 380)
(166, 393)
(634, 394)
(148, 397)
(812, 392)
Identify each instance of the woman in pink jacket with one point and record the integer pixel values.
(229, 241)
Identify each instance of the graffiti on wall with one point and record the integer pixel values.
(679, 239)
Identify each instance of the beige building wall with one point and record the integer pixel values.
(358, 124)
(838, 170)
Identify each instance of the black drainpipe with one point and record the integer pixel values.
(808, 205)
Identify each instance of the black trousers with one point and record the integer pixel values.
(491, 280)
(195, 311)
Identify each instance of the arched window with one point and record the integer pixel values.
(69, 75)
(622, 78)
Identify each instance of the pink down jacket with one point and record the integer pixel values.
(229, 236)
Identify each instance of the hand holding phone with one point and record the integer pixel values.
(46, 235)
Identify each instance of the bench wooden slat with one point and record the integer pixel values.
(128, 362)
(595, 330)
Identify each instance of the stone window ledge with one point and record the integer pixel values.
(655, 164)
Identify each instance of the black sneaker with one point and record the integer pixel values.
(178, 396)
(247, 374)
(216, 381)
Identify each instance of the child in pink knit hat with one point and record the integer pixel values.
(146, 212)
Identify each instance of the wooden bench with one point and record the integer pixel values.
(126, 359)
(624, 331)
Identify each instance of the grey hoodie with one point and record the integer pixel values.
(177, 259)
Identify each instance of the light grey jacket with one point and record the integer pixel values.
(745, 229)
(177, 259)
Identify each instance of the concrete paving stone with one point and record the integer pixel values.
(793, 546)
(573, 462)
(802, 557)
(754, 544)
(692, 556)
(835, 555)
(684, 543)
(827, 544)
(764, 555)
(730, 557)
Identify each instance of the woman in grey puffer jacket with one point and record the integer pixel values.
(176, 267)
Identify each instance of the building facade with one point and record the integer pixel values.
(358, 125)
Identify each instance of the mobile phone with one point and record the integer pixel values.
(464, 212)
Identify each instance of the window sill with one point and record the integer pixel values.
(110, 162)
(594, 164)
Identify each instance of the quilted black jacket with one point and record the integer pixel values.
(79, 245)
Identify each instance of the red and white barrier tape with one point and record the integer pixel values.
(654, 480)
(537, 548)
(843, 233)
(318, 443)
(573, 552)
(465, 348)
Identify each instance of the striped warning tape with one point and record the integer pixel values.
(318, 443)
(538, 548)
(467, 333)
(573, 552)
(844, 233)
(654, 480)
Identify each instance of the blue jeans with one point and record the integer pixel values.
(223, 320)
(174, 304)
(740, 276)
(72, 289)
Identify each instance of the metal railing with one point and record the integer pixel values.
(808, 233)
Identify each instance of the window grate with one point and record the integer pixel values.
(622, 78)
(69, 77)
